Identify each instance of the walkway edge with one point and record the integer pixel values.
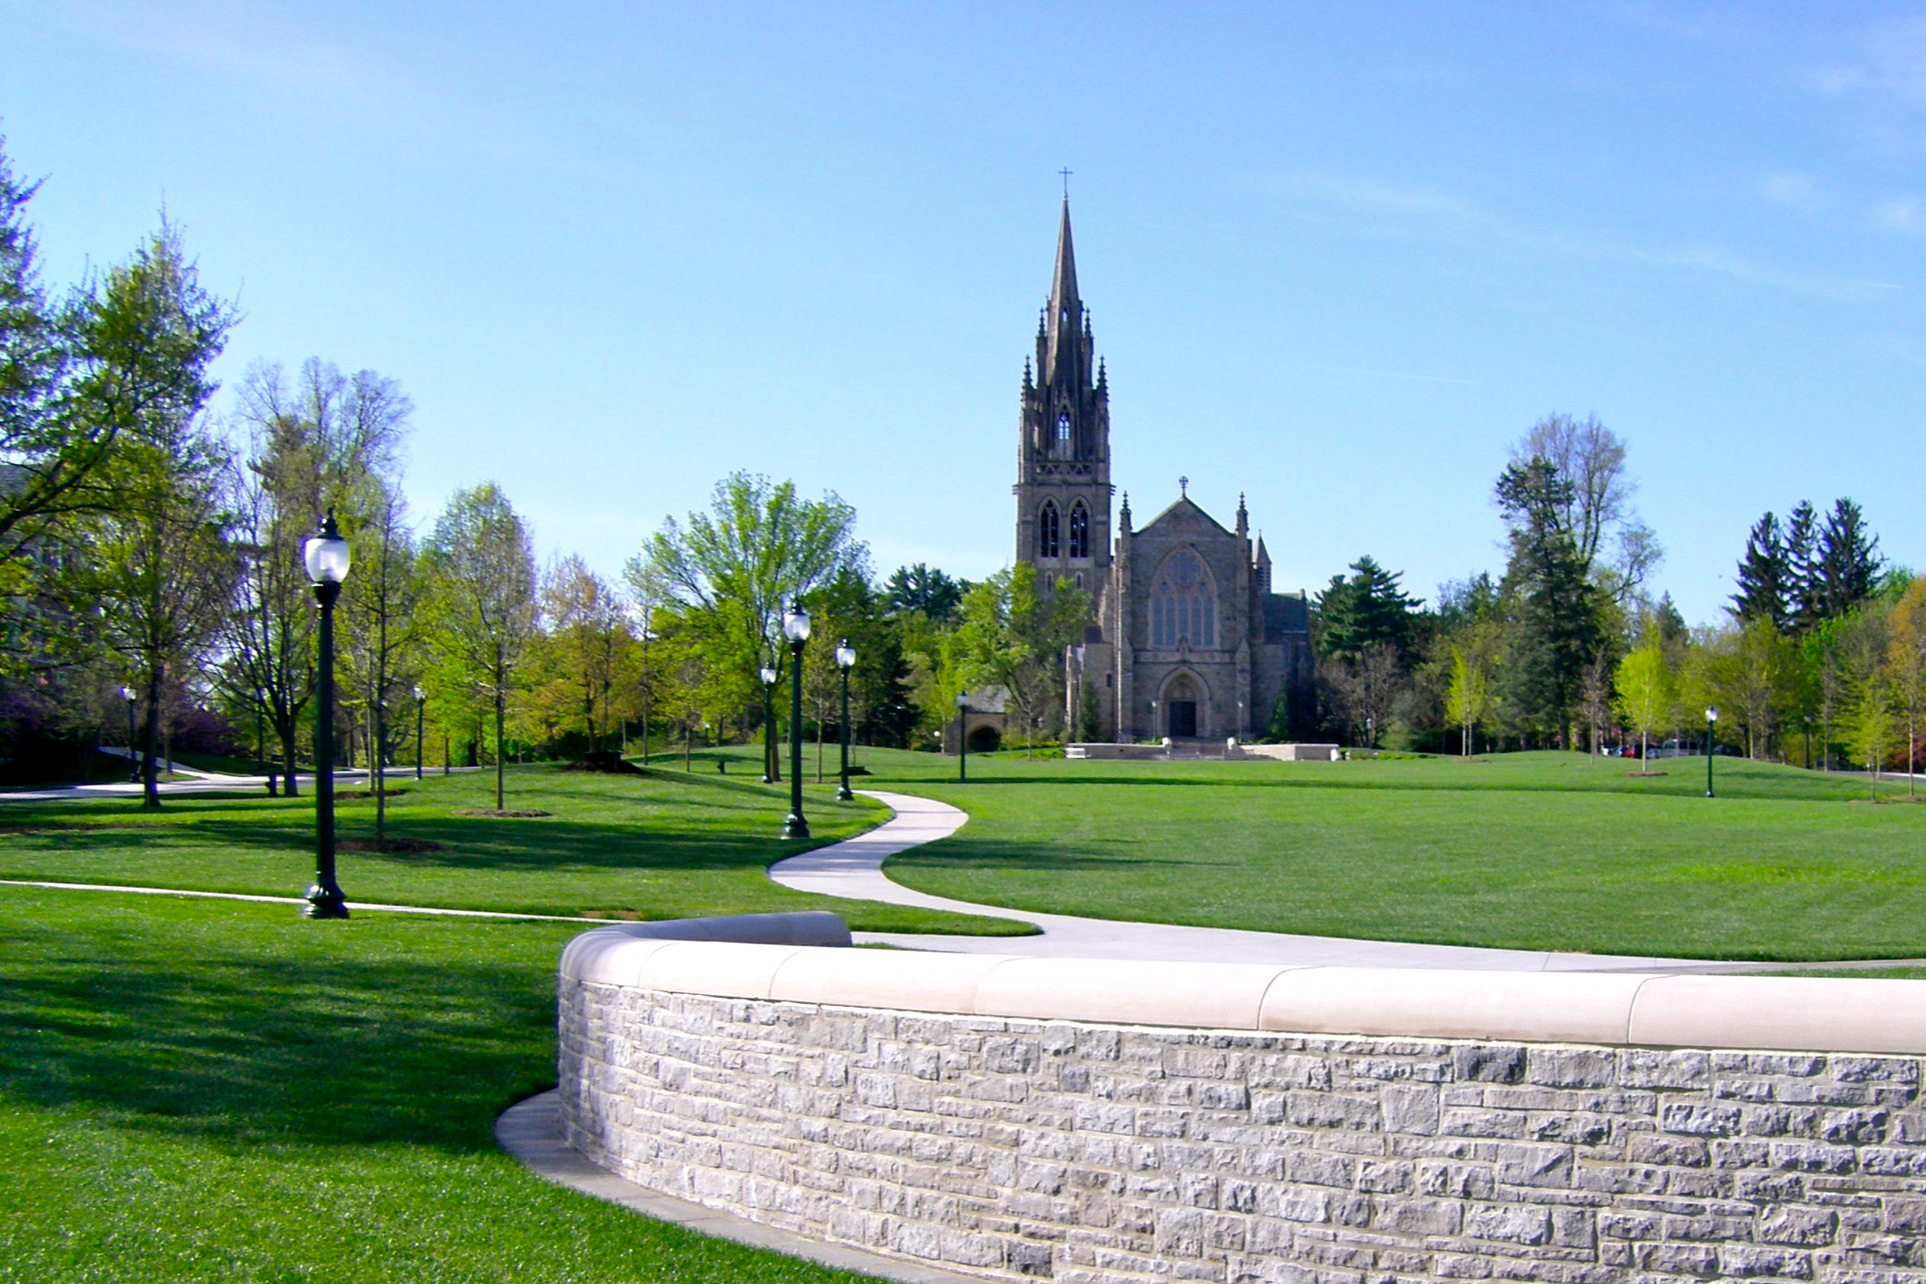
(530, 1131)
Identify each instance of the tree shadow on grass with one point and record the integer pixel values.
(181, 1029)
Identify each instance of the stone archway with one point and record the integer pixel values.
(1184, 705)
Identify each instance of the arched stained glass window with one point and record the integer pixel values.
(1079, 530)
(1183, 605)
(1049, 532)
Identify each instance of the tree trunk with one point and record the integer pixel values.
(501, 726)
(150, 737)
(379, 781)
(819, 751)
(289, 734)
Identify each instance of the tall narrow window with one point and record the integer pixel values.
(1049, 536)
(1062, 447)
(1183, 605)
(1079, 530)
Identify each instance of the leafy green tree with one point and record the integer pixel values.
(1906, 663)
(1013, 637)
(482, 599)
(1645, 692)
(158, 558)
(385, 633)
(587, 639)
(735, 569)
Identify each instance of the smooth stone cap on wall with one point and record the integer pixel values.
(898, 979)
(1221, 995)
(1557, 1007)
(1789, 1013)
(1637, 1008)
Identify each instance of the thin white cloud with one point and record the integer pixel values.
(1901, 214)
(1453, 215)
(1789, 190)
(1887, 59)
(241, 39)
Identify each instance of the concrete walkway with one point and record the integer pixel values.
(854, 869)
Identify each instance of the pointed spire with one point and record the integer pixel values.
(1243, 517)
(1065, 314)
(1263, 554)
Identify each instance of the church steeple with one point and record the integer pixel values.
(1063, 456)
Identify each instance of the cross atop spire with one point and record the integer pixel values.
(1066, 181)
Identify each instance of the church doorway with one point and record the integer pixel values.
(1180, 709)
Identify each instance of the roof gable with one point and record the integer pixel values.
(1184, 518)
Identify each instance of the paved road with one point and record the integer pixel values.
(854, 869)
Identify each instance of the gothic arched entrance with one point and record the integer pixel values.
(1182, 694)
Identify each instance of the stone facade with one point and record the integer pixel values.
(1187, 638)
(1099, 1153)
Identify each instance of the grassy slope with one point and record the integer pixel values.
(1530, 851)
(202, 1091)
(657, 846)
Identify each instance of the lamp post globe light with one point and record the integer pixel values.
(795, 627)
(768, 675)
(962, 736)
(133, 754)
(845, 660)
(326, 555)
(1711, 721)
(421, 708)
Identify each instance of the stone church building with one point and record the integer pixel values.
(1187, 639)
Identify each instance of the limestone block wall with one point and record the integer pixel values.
(1093, 1121)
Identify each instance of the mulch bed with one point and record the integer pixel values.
(400, 846)
(1646, 774)
(505, 814)
(350, 795)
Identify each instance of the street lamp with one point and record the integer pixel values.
(795, 627)
(1711, 720)
(133, 755)
(962, 736)
(421, 709)
(326, 555)
(768, 675)
(845, 658)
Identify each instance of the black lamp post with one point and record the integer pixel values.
(421, 710)
(326, 555)
(1711, 721)
(962, 737)
(768, 675)
(795, 627)
(133, 754)
(845, 658)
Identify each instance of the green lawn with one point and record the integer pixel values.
(1529, 851)
(209, 1091)
(661, 845)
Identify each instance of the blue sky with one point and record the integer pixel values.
(1337, 256)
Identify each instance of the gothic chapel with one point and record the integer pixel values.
(1186, 639)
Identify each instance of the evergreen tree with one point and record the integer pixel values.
(1764, 576)
(921, 588)
(1368, 610)
(1803, 606)
(1555, 631)
(1848, 563)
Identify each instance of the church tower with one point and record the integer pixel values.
(1063, 452)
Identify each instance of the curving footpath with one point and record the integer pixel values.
(853, 869)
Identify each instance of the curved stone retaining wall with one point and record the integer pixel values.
(1098, 1121)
